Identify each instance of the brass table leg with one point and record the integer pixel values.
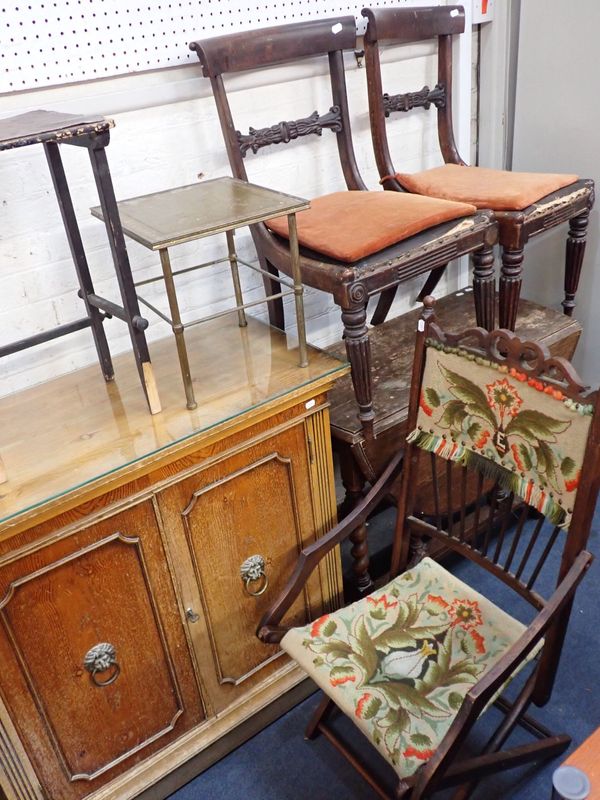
(235, 274)
(298, 289)
(178, 328)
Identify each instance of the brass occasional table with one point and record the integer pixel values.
(166, 219)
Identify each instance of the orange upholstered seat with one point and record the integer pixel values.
(348, 226)
(485, 188)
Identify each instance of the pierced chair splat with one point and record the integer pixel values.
(417, 662)
(355, 244)
(525, 203)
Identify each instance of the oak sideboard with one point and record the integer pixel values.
(138, 553)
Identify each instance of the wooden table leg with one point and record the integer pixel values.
(86, 287)
(131, 310)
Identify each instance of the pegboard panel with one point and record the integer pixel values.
(46, 42)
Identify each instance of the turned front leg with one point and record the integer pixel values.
(484, 287)
(358, 350)
(354, 483)
(511, 273)
(574, 259)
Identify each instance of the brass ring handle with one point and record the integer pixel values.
(260, 591)
(100, 658)
(252, 570)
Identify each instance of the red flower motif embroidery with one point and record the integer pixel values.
(425, 408)
(362, 701)
(422, 755)
(482, 441)
(387, 604)
(437, 600)
(342, 679)
(517, 458)
(503, 396)
(466, 613)
(571, 485)
(479, 641)
(315, 629)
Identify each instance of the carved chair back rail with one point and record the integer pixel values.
(552, 199)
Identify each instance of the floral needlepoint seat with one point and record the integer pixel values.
(400, 661)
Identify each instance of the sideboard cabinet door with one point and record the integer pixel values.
(96, 670)
(256, 503)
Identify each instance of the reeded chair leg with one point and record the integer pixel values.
(576, 242)
(510, 286)
(358, 350)
(484, 288)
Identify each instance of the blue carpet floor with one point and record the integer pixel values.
(277, 764)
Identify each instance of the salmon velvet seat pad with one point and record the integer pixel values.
(485, 188)
(348, 225)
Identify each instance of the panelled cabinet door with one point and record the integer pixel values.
(96, 670)
(243, 522)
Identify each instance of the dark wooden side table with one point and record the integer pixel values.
(166, 219)
(50, 129)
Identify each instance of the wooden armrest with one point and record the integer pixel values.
(269, 630)
(484, 690)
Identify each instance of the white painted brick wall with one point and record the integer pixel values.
(164, 146)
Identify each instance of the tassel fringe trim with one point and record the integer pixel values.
(523, 488)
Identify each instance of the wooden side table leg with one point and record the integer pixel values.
(136, 323)
(358, 349)
(484, 287)
(510, 286)
(576, 242)
(235, 275)
(86, 287)
(178, 329)
(298, 289)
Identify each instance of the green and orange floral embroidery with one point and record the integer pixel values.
(465, 613)
(503, 396)
(400, 657)
(497, 421)
(323, 626)
(426, 409)
(387, 604)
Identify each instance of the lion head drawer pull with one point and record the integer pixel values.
(100, 658)
(252, 570)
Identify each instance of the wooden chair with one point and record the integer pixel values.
(525, 204)
(416, 663)
(344, 248)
